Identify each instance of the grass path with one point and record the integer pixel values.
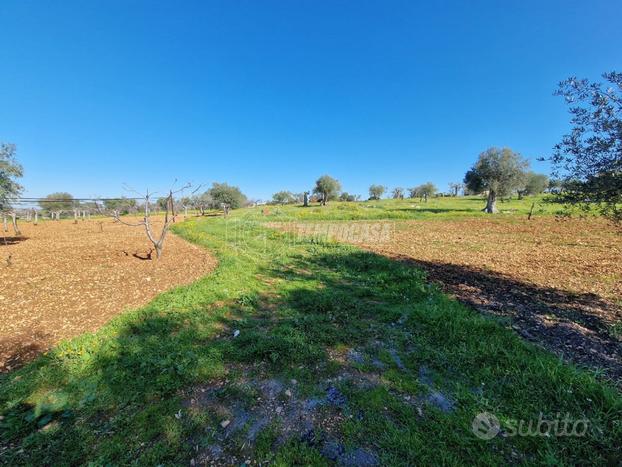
(342, 356)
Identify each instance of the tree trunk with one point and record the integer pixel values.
(5, 224)
(533, 205)
(491, 203)
(36, 217)
(323, 199)
(15, 227)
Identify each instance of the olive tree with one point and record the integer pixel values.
(423, 191)
(201, 202)
(426, 190)
(123, 205)
(222, 194)
(499, 172)
(455, 188)
(57, 203)
(398, 193)
(588, 160)
(345, 196)
(534, 184)
(10, 171)
(284, 197)
(327, 187)
(376, 191)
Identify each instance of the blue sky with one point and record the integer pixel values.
(269, 95)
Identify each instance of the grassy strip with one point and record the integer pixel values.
(116, 396)
(435, 208)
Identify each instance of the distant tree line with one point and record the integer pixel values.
(587, 169)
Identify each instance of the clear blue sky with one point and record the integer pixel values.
(269, 95)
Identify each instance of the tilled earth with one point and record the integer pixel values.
(557, 281)
(60, 279)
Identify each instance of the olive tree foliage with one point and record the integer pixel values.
(345, 196)
(426, 190)
(122, 205)
(398, 193)
(588, 160)
(499, 172)
(534, 184)
(423, 191)
(56, 203)
(284, 197)
(455, 188)
(376, 191)
(327, 187)
(222, 194)
(201, 202)
(10, 171)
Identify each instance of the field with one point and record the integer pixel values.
(401, 209)
(68, 279)
(558, 282)
(309, 351)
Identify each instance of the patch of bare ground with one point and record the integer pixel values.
(65, 279)
(239, 412)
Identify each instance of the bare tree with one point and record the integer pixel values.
(168, 206)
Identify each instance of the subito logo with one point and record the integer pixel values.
(485, 426)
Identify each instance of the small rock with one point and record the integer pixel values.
(225, 423)
(294, 382)
(288, 393)
(236, 333)
(178, 415)
(279, 410)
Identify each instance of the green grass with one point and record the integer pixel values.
(112, 397)
(435, 208)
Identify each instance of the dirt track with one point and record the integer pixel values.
(66, 279)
